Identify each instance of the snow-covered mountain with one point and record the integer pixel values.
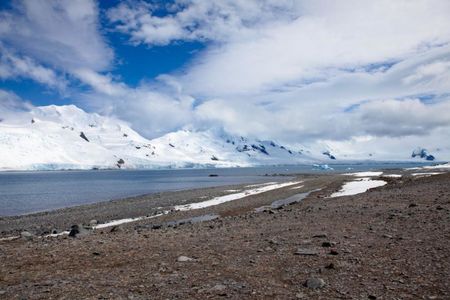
(66, 137)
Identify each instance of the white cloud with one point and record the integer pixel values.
(436, 72)
(14, 66)
(195, 20)
(63, 33)
(396, 118)
(101, 83)
(149, 109)
(12, 107)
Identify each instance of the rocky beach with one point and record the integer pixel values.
(289, 242)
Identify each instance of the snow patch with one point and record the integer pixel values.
(127, 220)
(364, 174)
(442, 166)
(427, 174)
(236, 196)
(358, 186)
(392, 175)
(297, 187)
(261, 184)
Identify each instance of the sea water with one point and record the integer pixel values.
(29, 192)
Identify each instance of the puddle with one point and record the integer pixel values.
(290, 200)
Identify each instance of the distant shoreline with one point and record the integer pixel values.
(167, 168)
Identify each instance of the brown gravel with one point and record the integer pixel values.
(392, 242)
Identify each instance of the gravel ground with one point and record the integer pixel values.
(391, 242)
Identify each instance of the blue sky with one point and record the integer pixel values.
(133, 63)
(282, 70)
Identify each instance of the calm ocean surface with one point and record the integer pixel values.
(28, 192)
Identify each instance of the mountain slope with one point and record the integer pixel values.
(66, 137)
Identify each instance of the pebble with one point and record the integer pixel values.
(320, 235)
(303, 251)
(334, 252)
(184, 259)
(27, 235)
(76, 230)
(315, 283)
(330, 266)
(115, 229)
(327, 244)
(220, 289)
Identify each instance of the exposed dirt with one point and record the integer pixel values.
(391, 242)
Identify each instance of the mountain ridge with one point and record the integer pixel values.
(66, 137)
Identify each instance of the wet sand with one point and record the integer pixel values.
(391, 242)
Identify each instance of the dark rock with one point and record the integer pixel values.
(156, 226)
(334, 252)
(74, 230)
(320, 235)
(330, 266)
(327, 244)
(95, 253)
(412, 205)
(422, 153)
(115, 229)
(83, 136)
(372, 297)
(328, 153)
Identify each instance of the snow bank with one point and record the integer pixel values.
(443, 166)
(392, 175)
(297, 187)
(235, 196)
(357, 187)
(364, 174)
(427, 173)
(127, 220)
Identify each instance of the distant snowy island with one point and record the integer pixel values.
(66, 137)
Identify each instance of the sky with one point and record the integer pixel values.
(358, 76)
